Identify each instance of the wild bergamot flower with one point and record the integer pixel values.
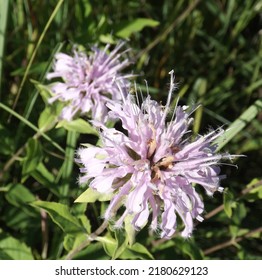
(151, 168)
(88, 81)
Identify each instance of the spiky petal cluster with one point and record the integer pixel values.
(150, 171)
(88, 82)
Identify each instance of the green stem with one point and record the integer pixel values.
(91, 237)
(221, 207)
(41, 132)
(71, 141)
(232, 241)
(38, 134)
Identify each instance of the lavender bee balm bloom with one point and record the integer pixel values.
(150, 171)
(88, 82)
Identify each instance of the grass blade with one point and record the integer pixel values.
(35, 51)
(239, 124)
(28, 123)
(71, 142)
(3, 21)
(31, 103)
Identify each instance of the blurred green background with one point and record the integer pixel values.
(214, 47)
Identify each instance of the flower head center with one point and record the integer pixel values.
(162, 165)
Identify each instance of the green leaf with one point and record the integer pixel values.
(44, 91)
(78, 125)
(251, 145)
(136, 251)
(109, 244)
(85, 223)
(7, 141)
(257, 192)
(239, 213)
(121, 243)
(72, 241)
(45, 178)
(93, 251)
(21, 218)
(61, 215)
(199, 89)
(18, 195)
(33, 156)
(4, 256)
(164, 246)
(229, 202)
(188, 247)
(13, 249)
(107, 39)
(192, 250)
(253, 190)
(234, 231)
(237, 231)
(37, 68)
(78, 210)
(126, 28)
(90, 196)
(130, 231)
(48, 117)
